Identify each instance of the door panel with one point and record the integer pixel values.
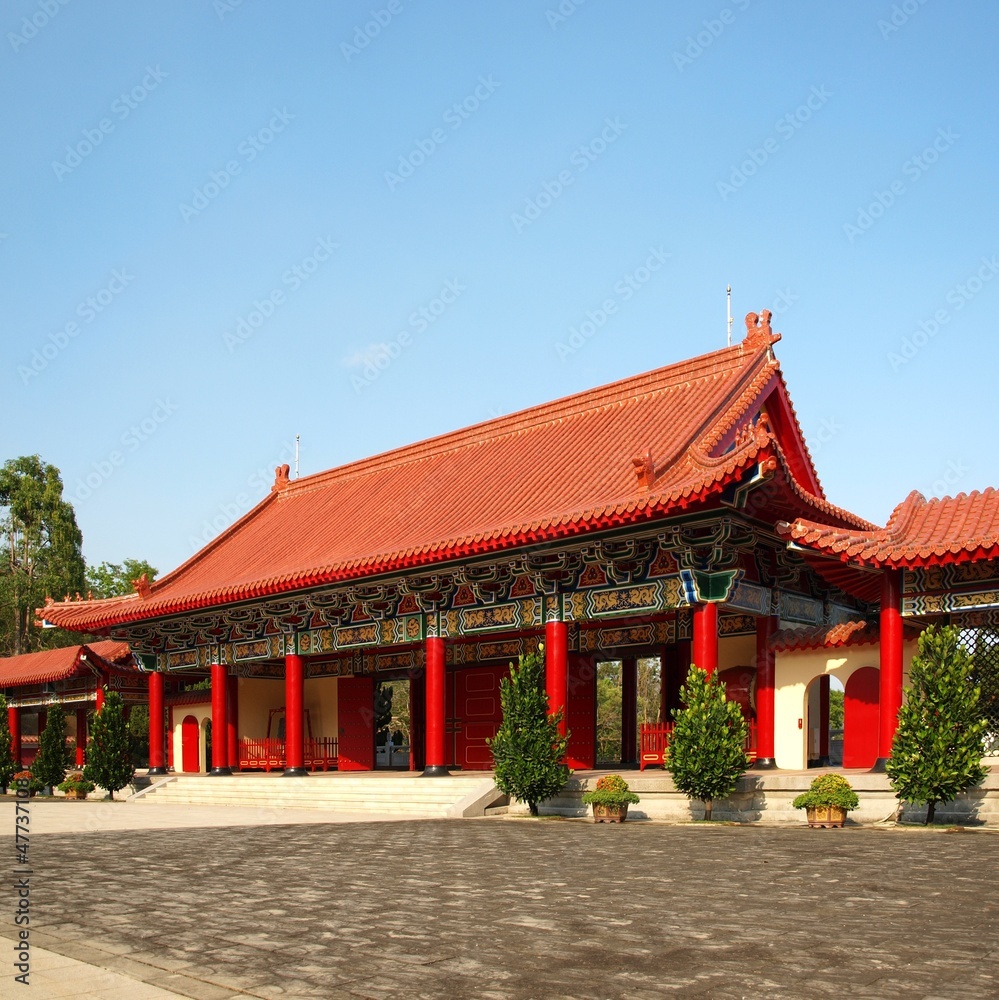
(478, 715)
(356, 722)
(190, 744)
(581, 711)
(861, 718)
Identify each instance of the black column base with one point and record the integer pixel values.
(221, 771)
(879, 765)
(764, 764)
(435, 771)
(295, 772)
(823, 762)
(156, 772)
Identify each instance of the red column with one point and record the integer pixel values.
(823, 760)
(705, 645)
(14, 722)
(220, 757)
(557, 669)
(766, 625)
(81, 736)
(101, 681)
(232, 717)
(890, 692)
(436, 708)
(629, 710)
(294, 716)
(156, 764)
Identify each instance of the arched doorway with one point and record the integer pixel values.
(861, 718)
(817, 722)
(190, 743)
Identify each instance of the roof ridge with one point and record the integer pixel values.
(604, 396)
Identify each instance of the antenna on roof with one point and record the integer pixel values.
(296, 456)
(728, 296)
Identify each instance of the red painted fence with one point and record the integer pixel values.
(654, 740)
(269, 754)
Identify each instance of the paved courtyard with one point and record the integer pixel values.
(505, 908)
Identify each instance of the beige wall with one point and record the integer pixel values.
(793, 672)
(321, 704)
(737, 651)
(202, 713)
(257, 696)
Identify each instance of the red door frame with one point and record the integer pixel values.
(356, 723)
(861, 717)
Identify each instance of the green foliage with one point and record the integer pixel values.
(612, 790)
(706, 753)
(40, 553)
(836, 708)
(53, 757)
(609, 710)
(937, 750)
(828, 790)
(109, 753)
(77, 783)
(527, 749)
(115, 579)
(25, 779)
(8, 766)
(138, 735)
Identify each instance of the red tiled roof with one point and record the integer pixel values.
(919, 532)
(50, 665)
(853, 633)
(552, 471)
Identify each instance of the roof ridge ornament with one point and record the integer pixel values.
(281, 478)
(645, 469)
(142, 587)
(758, 331)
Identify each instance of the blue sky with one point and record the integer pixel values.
(225, 223)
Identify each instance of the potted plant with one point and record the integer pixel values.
(827, 801)
(76, 786)
(25, 779)
(610, 799)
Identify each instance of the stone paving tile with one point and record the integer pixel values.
(522, 910)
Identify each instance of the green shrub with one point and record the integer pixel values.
(828, 790)
(612, 790)
(77, 783)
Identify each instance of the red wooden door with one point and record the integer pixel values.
(356, 722)
(861, 718)
(190, 745)
(581, 711)
(478, 715)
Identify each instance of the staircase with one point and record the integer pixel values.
(403, 794)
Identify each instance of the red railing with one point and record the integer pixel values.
(269, 754)
(655, 736)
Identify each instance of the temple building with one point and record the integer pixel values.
(676, 514)
(75, 677)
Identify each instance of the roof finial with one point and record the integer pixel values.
(281, 479)
(728, 298)
(758, 332)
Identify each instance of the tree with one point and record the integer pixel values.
(528, 750)
(40, 552)
(8, 766)
(138, 734)
(836, 703)
(109, 753)
(115, 579)
(937, 750)
(609, 711)
(706, 753)
(52, 759)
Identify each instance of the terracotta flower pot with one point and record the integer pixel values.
(826, 816)
(610, 814)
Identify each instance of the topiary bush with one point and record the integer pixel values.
(828, 790)
(613, 791)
